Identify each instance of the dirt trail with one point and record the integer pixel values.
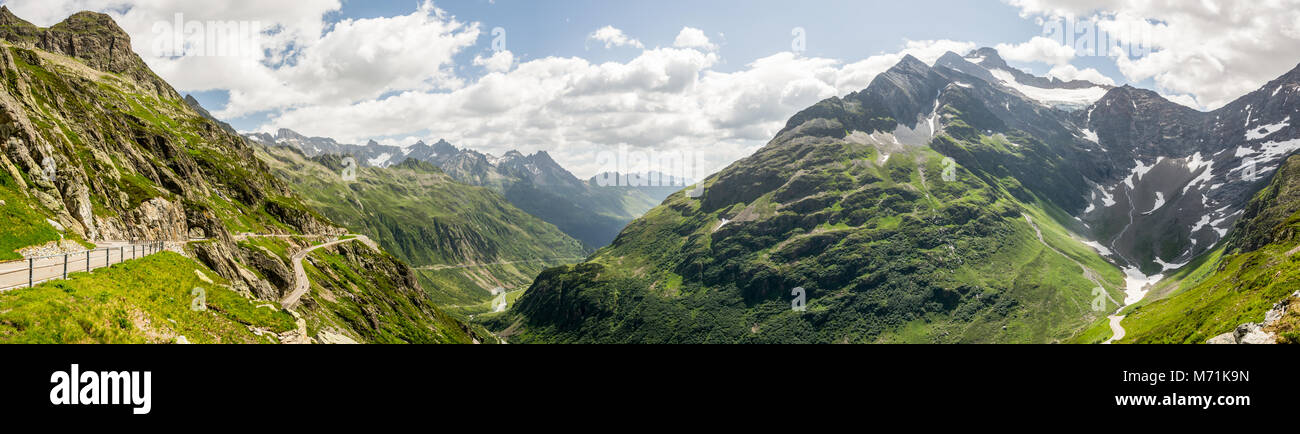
(1088, 273)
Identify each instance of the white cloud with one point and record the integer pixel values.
(1070, 73)
(1187, 100)
(858, 75)
(303, 61)
(500, 61)
(691, 37)
(665, 99)
(1213, 50)
(613, 37)
(1038, 49)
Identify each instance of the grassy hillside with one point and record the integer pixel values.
(886, 251)
(462, 240)
(387, 307)
(150, 300)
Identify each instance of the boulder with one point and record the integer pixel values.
(1223, 339)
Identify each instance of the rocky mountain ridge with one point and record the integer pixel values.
(535, 183)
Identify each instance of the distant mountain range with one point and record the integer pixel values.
(464, 241)
(587, 211)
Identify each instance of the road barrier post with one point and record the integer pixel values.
(121, 254)
(31, 272)
(65, 266)
(87, 261)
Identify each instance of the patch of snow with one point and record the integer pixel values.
(1254, 134)
(960, 84)
(1137, 284)
(1223, 231)
(1138, 172)
(1106, 198)
(883, 159)
(1160, 202)
(1205, 221)
(1091, 136)
(1168, 266)
(1098, 247)
(377, 161)
(1269, 152)
(1195, 163)
(1051, 97)
(935, 113)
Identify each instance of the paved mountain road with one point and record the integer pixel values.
(14, 274)
(300, 282)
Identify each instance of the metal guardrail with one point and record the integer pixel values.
(86, 261)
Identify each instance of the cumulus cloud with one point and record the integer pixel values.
(691, 37)
(301, 60)
(665, 100)
(1070, 73)
(500, 61)
(613, 37)
(1038, 49)
(858, 75)
(1212, 50)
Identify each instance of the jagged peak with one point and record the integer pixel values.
(987, 57)
(7, 18)
(443, 146)
(285, 133)
(951, 57)
(92, 23)
(911, 64)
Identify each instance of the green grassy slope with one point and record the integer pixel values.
(150, 300)
(429, 220)
(386, 307)
(885, 252)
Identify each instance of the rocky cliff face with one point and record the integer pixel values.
(1182, 177)
(90, 37)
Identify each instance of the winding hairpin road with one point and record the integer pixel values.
(300, 282)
